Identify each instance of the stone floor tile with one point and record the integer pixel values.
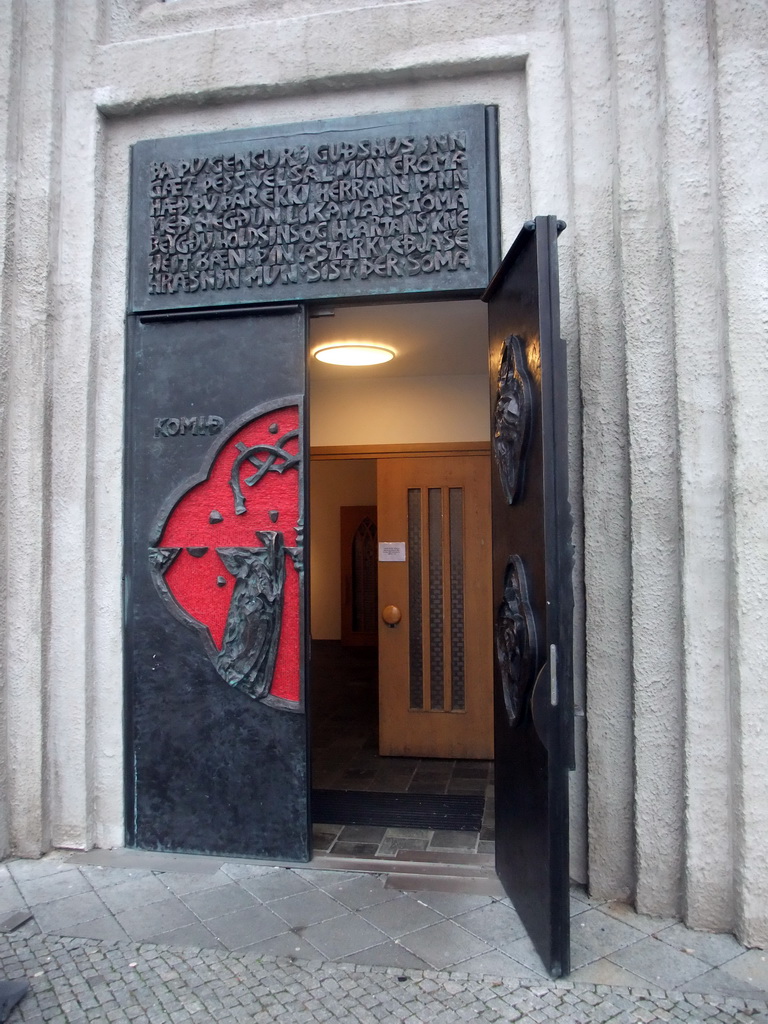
(236, 870)
(362, 834)
(712, 949)
(391, 847)
(342, 849)
(408, 833)
(524, 952)
(53, 886)
(139, 892)
(604, 972)
(659, 963)
(323, 841)
(23, 870)
(751, 966)
(361, 891)
(62, 914)
(105, 928)
(244, 927)
(100, 877)
(444, 944)
(451, 904)
(278, 883)
(623, 912)
(595, 934)
(307, 908)
(498, 965)
(195, 935)
(450, 840)
(182, 883)
(495, 923)
(720, 982)
(286, 944)
(399, 916)
(387, 954)
(342, 936)
(221, 900)
(163, 916)
(323, 877)
(10, 898)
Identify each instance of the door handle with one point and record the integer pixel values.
(391, 615)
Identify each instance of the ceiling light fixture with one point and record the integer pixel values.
(354, 353)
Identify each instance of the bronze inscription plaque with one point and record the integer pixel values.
(362, 206)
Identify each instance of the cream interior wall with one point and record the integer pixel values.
(399, 410)
(333, 484)
(640, 126)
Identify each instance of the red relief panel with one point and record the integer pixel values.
(228, 558)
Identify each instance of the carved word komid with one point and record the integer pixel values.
(394, 207)
(172, 426)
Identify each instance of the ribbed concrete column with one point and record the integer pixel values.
(606, 469)
(653, 451)
(27, 470)
(693, 209)
(74, 633)
(742, 67)
(8, 64)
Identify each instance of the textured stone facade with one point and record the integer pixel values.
(640, 125)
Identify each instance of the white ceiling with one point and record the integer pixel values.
(429, 338)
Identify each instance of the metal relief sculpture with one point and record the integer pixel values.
(220, 565)
(512, 417)
(516, 641)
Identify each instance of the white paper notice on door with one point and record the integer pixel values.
(392, 551)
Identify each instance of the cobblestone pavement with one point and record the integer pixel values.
(76, 980)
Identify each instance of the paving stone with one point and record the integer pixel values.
(195, 935)
(138, 892)
(659, 963)
(595, 934)
(712, 949)
(361, 891)
(751, 966)
(444, 944)
(342, 936)
(496, 923)
(307, 908)
(244, 927)
(100, 876)
(163, 916)
(623, 912)
(451, 904)
(276, 884)
(387, 954)
(399, 916)
(448, 840)
(181, 883)
(54, 886)
(221, 900)
(62, 914)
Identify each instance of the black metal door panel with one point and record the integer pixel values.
(532, 588)
(214, 584)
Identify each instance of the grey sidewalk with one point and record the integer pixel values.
(199, 939)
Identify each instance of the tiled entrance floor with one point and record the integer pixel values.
(345, 757)
(359, 918)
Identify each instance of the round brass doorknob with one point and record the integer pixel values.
(391, 615)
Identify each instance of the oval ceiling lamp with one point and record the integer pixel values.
(354, 353)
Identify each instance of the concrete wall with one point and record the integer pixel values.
(641, 125)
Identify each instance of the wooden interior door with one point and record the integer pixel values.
(435, 664)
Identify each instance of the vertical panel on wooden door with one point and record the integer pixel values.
(435, 665)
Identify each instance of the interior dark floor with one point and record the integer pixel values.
(345, 757)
